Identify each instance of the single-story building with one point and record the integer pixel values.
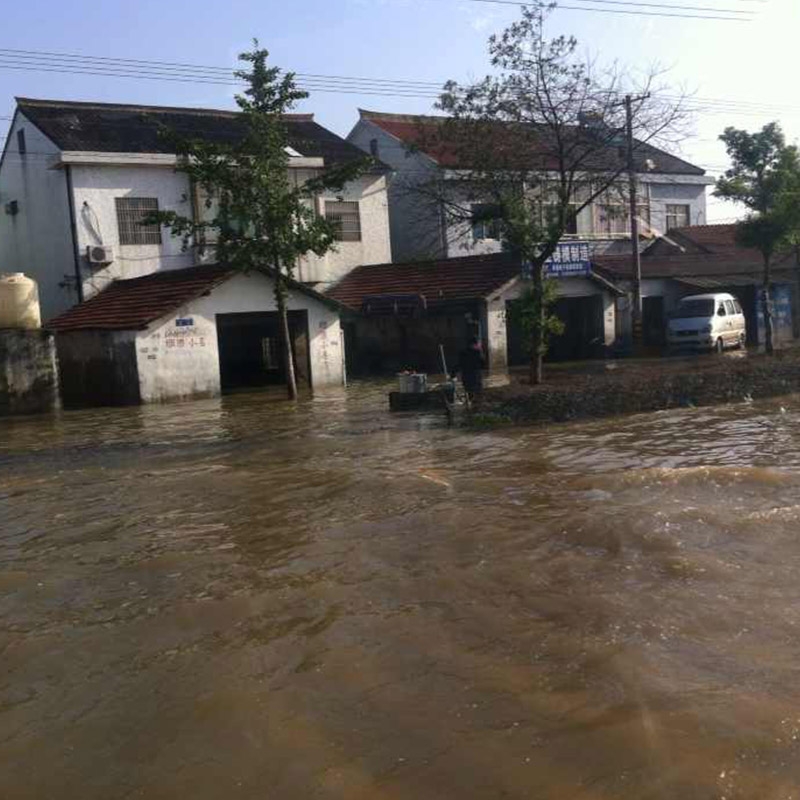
(193, 332)
(399, 314)
(700, 259)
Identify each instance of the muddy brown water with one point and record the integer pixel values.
(240, 599)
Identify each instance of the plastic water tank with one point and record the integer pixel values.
(19, 302)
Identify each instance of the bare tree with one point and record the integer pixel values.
(528, 148)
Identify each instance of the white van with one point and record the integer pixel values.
(708, 321)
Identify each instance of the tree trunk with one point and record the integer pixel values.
(286, 338)
(537, 329)
(767, 305)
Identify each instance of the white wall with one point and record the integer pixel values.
(169, 369)
(96, 189)
(496, 323)
(38, 240)
(416, 224)
(674, 193)
(375, 245)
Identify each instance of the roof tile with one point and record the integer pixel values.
(440, 281)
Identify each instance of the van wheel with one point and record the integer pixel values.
(742, 341)
(719, 346)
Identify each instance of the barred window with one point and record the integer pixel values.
(130, 213)
(346, 218)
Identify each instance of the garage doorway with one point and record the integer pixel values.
(583, 336)
(250, 351)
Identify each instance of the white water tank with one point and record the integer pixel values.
(19, 301)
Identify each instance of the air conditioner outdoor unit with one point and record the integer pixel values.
(99, 254)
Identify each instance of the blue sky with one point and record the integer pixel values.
(749, 63)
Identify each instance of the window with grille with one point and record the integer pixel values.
(346, 219)
(678, 216)
(131, 211)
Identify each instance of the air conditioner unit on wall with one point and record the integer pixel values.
(99, 254)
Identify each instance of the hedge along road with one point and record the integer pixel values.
(235, 599)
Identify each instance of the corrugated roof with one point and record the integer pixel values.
(438, 282)
(428, 135)
(120, 128)
(133, 304)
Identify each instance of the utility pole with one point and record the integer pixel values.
(636, 260)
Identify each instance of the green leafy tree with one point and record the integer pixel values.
(765, 178)
(526, 312)
(255, 215)
(534, 144)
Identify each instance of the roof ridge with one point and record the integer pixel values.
(388, 115)
(92, 104)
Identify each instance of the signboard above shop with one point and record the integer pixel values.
(569, 260)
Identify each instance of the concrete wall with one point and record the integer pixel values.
(183, 361)
(96, 189)
(28, 372)
(37, 240)
(497, 322)
(375, 245)
(676, 193)
(415, 222)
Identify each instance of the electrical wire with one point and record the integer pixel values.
(70, 63)
(560, 7)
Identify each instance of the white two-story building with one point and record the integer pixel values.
(672, 193)
(76, 181)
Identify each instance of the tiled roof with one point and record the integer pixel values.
(118, 128)
(685, 265)
(707, 237)
(438, 282)
(694, 251)
(425, 133)
(133, 304)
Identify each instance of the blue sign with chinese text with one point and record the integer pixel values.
(570, 259)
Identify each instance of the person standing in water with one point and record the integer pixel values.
(470, 364)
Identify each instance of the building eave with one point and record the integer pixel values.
(90, 158)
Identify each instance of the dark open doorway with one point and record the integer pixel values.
(583, 335)
(250, 351)
(654, 321)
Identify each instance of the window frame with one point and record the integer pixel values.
(485, 230)
(355, 234)
(685, 215)
(130, 230)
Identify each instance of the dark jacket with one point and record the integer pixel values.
(470, 363)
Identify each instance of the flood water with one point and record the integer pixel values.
(243, 599)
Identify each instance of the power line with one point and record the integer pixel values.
(521, 3)
(70, 63)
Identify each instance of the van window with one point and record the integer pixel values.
(737, 306)
(729, 307)
(695, 308)
(721, 310)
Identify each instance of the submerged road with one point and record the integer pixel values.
(238, 598)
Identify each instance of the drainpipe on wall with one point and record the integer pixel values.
(74, 231)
